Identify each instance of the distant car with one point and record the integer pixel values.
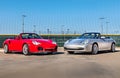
(29, 43)
(90, 42)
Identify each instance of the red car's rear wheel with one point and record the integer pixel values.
(6, 49)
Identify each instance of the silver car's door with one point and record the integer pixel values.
(108, 44)
(103, 44)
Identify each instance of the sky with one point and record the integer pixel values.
(70, 16)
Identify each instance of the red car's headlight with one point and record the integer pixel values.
(36, 43)
(54, 42)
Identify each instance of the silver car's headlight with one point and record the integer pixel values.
(66, 42)
(85, 42)
(36, 43)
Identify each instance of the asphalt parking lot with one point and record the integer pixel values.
(60, 65)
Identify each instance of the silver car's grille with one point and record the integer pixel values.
(73, 48)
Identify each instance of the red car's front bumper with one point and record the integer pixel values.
(42, 48)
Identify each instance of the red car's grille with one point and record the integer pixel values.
(51, 49)
(40, 48)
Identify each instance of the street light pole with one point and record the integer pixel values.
(48, 31)
(34, 28)
(68, 31)
(102, 24)
(23, 23)
(62, 29)
(39, 32)
(107, 27)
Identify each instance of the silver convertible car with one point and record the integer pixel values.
(90, 42)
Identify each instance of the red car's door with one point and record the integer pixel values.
(16, 44)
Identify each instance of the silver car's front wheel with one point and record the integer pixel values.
(113, 47)
(94, 49)
(25, 49)
(6, 49)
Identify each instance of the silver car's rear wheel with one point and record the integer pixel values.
(25, 49)
(71, 52)
(113, 47)
(6, 49)
(94, 49)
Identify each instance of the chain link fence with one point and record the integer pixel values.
(60, 39)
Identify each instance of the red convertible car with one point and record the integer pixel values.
(29, 43)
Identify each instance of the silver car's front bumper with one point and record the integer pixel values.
(78, 48)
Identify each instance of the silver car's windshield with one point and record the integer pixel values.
(90, 36)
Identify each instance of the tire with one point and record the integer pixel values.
(94, 49)
(113, 47)
(6, 49)
(25, 49)
(70, 52)
(50, 53)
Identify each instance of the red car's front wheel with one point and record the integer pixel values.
(25, 49)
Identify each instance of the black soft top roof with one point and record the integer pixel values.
(92, 33)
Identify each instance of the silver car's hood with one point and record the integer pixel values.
(76, 41)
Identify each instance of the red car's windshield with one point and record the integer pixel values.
(30, 36)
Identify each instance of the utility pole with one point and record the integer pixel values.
(23, 23)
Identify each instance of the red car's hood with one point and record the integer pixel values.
(42, 40)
